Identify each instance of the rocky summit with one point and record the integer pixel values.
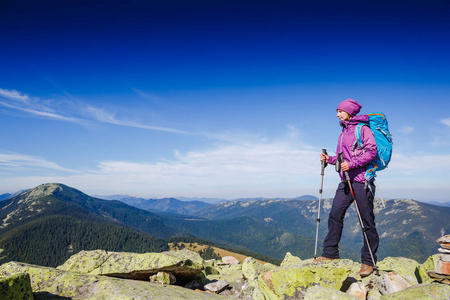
(185, 275)
(442, 271)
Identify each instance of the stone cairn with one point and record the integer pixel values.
(442, 271)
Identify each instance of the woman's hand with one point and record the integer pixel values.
(344, 166)
(324, 157)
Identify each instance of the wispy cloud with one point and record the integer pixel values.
(17, 101)
(17, 162)
(445, 121)
(103, 116)
(12, 94)
(261, 168)
(268, 169)
(82, 113)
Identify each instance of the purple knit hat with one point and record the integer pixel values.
(350, 106)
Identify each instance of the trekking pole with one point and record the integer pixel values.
(347, 178)
(324, 164)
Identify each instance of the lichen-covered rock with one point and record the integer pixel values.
(184, 264)
(423, 269)
(252, 269)
(163, 278)
(401, 265)
(230, 273)
(320, 292)
(290, 281)
(58, 283)
(16, 287)
(421, 291)
(85, 261)
(290, 260)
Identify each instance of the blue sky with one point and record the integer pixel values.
(218, 99)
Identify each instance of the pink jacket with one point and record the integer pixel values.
(359, 158)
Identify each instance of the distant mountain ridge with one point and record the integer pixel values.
(51, 199)
(269, 227)
(170, 205)
(186, 206)
(10, 195)
(74, 221)
(402, 222)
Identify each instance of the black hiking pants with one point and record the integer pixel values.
(342, 201)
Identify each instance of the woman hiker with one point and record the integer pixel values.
(355, 161)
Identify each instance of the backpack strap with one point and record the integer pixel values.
(358, 141)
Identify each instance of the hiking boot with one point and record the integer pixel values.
(322, 259)
(366, 270)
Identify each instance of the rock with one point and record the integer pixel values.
(257, 295)
(374, 294)
(320, 292)
(287, 282)
(217, 286)
(429, 265)
(295, 279)
(421, 291)
(16, 287)
(50, 282)
(442, 250)
(444, 257)
(290, 260)
(230, 273)
(401, 265)
(443, 267)
(251, 270)
(230, 260)
(439, 278)
(411, 280)
(392, 282)
(185, 265)
(357, 289)
(445, 246)
(163, 278)
(444, 239)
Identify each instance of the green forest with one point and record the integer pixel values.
(58, 237)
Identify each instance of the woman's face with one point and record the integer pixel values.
(343, 115)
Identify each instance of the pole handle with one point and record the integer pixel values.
(324, 163)
(340, 161)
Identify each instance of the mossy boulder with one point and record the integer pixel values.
(163, 278)
(429, 265)
(290, 260)
(184, 264)
(320, 292)
(421, 291)
(289, 282)
(50, 282)
(252, 269)
(229, 273)
(16, 287)
(401, 265)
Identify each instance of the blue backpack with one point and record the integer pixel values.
(383, 138)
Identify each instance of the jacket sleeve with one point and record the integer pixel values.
(332, 160)
(370, 149)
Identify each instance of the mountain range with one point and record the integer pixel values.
(45, 225)
(169, 205)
